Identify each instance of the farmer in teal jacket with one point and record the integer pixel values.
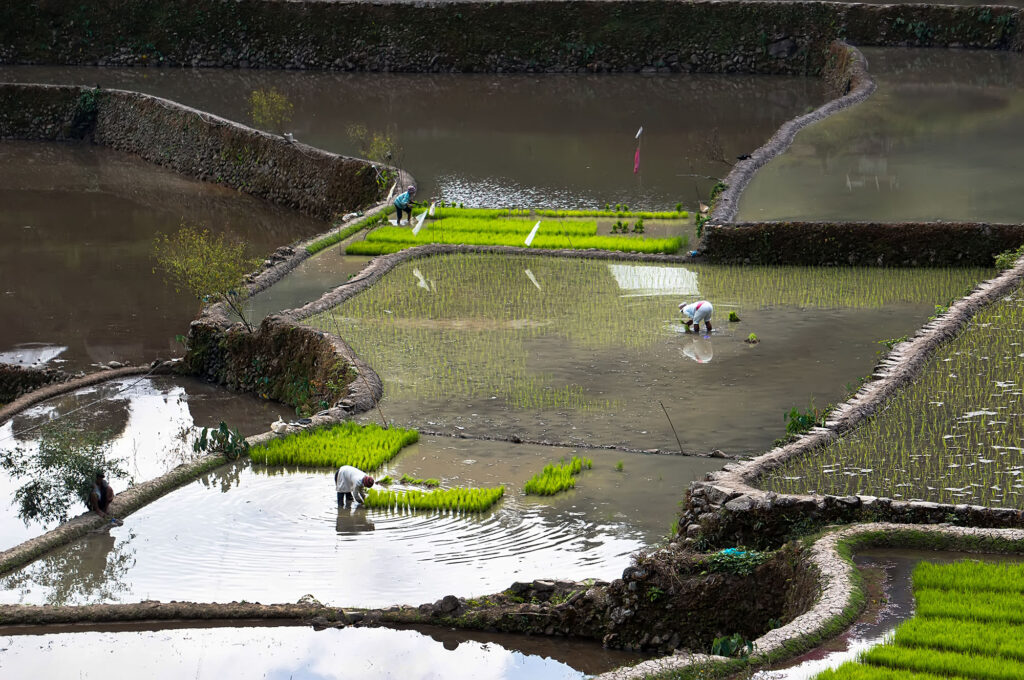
(404, 203)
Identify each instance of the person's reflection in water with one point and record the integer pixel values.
(353, 521)
(700, 350)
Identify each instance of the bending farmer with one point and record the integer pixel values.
(101, 495)
(697, 312)
(403, 203)
(350, 481)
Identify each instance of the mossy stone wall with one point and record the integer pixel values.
(937, 244)
(196, 144)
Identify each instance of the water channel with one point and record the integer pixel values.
(553, 141)
(286, 653)
(940, 139)
(76, 271)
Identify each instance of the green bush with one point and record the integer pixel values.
(1008, 258)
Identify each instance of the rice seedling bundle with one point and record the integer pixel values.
(954, 435)
(970, 631)
(512, 226)
(389, 237)
(367, 447)
(460, 499)
(555, 478)
(479, 213)
(414, 481)
(665, 215)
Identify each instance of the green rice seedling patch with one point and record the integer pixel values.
(342, 234)
(389, 236)
(457, 500)
(367, 447)
(954, 435)
(944, 663)
(974, 605)
(376, 248)
(966, 637)
(855, 671)
(501, 226)
(478, 213)
(557, 477)
(415, 481)
(965, 575)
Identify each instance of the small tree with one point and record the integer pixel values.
(379, 147)
(270, 109)
(63, 467)
(211, 268)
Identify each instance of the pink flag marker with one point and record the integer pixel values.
(636, 161)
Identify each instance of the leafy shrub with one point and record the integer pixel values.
(734, 561)
(1007, 259)
(270, 109)
(222, 440)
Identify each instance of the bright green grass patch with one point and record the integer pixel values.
(943, 663)
(479, 213)
(390, 236)
(976, 605)
(415, 481)
(366, 447)
(456, 500)
(855, 671)
(342, 234)
(376, 248)
(521, 227)
(965, 637)
(554, 478)
(966, 575)
(668, 215)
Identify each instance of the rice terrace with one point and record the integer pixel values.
(512, 340)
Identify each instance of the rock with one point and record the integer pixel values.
(741, 504)
(782, 49)
(543, 586)
(450, 604)
(718, 453)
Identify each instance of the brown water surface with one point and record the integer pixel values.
(241, 533)
(495, 140)
(149, 425)
(76, 272)
(286, 653)
(941, 139)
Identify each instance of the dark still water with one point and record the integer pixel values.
(494, 140)
(76, 270)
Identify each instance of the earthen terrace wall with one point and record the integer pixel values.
(194, 143)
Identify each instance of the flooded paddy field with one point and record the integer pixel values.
(573, 350)
(76, 271)
(248, 532)
(311, 279)
(494, 140)
(940, 139)
(147, 425)
(300, 652)
(890, 602)
(955, 435)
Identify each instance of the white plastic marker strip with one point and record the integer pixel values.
(391, 192)
(638, 132)
(533, 232)
(422, 282)
(532, 278)
(419, 223)
(431, 211)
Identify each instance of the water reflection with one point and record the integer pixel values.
(353, 521)
(699, 349)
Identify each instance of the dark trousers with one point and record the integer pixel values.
(344, 498)
(404, 210)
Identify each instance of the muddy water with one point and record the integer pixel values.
(890, 603)
(243, 534)
(148, 425)
(583, 351)
(941, 139)
(307, 282)
(76, 272)
(496, 140)
(299, 652)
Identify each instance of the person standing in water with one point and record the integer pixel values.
(403, 203)
(695, 313)
(101, 496)
(350, 483)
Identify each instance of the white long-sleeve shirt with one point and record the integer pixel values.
(349, 479)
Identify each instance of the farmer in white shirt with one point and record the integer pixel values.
(697, 312)
(350, 481)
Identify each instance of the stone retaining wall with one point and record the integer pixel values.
(194, 143)
(861, 244)
(532, 35)
(18, 380)
(727, 508)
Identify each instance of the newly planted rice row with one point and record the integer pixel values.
(955, 435)
(497, 226)
(964, 576)
(477, 213)
(367, 447)
(955, 633)
(388, 237)
(454, 500)
(555, 478)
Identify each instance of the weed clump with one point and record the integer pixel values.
(461, 499)
(554, 478)
(367, 447)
